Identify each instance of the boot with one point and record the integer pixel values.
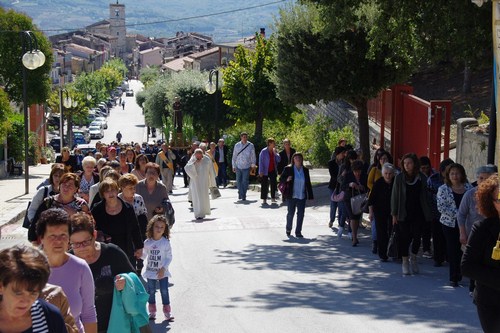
(152, 311)
(414, 263)
(406, 266)
(167, 312)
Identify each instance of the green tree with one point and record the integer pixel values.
(149, 75)
(249, 89)
(452, 31)
(340, 50)
(118, 66)
(5, 111)
(11, 47)
(196, 103)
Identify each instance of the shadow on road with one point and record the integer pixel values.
(340, 279)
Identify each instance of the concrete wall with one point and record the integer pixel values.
(472, 146)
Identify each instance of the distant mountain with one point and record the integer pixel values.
(57, 16)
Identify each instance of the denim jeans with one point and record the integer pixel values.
(222, 174)
(151, 288)
(242, 182)
(342, 214)
(333, 207)
(300, 206)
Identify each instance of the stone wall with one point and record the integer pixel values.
(343, 114)
(472, 146)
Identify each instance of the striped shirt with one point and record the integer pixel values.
(38, 320)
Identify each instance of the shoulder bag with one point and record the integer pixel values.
(359, 203)
(337, 195)
(26, 221)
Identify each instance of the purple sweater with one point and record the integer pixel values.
(75, 278)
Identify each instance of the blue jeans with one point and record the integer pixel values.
(242, 182)
(151, 288)
(333, 207)
(300, 206)
(342, 214)
(374, 229)
(222, 174)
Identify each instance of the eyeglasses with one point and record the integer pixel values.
(85, 243)
(62, 237)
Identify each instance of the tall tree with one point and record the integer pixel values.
(249, 89)
(341, 50)
(11, 46)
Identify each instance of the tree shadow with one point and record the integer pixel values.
(341, 279)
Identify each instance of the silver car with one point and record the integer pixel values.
(96, 132)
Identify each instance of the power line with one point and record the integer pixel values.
(184, 18)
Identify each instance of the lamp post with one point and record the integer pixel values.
(32, 58)
(212, 88)
(68, 102)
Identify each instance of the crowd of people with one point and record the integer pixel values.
(106, 217)
(437, 213)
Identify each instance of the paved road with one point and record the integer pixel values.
(236, 271)
(130, 122)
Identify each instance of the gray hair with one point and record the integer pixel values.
(489, 169)
(89, 160)
(388, 167)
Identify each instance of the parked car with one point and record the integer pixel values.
(129, 92)
(84, 133)
(79, 138)
(96, 132)
(55, 143)
(103, 121)
(86, 148)
(54, 121)
(96, 123)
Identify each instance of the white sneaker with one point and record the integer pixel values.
(339, 233)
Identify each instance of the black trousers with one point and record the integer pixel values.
(426, 235)
(410, 232)
(489, 318)
(438, 242)
(454, 251)
(265, 181)
(384, 229)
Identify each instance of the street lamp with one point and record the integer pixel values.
(68, 102)
(212, 88)
(32, 59)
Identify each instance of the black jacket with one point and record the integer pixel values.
(288, 171)
(478, 265)
(217, 154)
(284, 160)
(333, 169)
(380, 198)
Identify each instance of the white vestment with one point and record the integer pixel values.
(202, 178)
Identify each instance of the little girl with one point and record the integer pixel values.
(158, 255)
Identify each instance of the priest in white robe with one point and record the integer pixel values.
(202, 177)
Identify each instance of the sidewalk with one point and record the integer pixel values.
(13, 201)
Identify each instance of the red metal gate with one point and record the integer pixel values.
(415, 124)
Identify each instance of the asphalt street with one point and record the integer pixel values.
(236, 271)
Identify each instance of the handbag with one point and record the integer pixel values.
(215, 193)
(358, 203)
(284, 188)
(337, 195)
(26, 221)
(392, 246)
